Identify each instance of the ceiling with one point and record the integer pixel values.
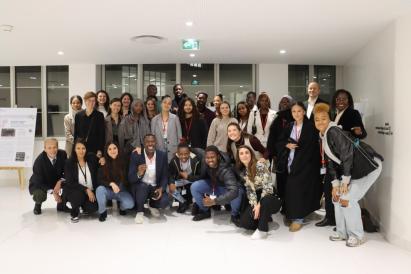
(230, 31)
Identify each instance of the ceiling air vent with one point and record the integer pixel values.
(148, 39)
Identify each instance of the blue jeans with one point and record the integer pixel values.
(103, 194)
(201, 187)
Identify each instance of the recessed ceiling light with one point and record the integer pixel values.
(60, 52)
(189, 23)
(33, 78)
(1, 85)
(283, 51)
(61, 84)
(192, 55)
(241, 86)
(314, 77)
(194, 75)
(8, 28)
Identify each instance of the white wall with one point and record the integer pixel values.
(273, 79)
(378, 76)
(82, 78)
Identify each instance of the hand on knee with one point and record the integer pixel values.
(344, 203)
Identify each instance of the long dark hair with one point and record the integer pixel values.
(106, 104)
(243, 135)
(131, 101)
(73, 155)
(261, 96)
(121, 106)
(78, 97)
(252, 166)
(181, 113)
(338, 92)
(219, 115)
(116, 166)
(237, 115)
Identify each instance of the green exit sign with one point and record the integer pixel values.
(191, 44)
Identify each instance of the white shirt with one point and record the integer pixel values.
(150, 174)
(102, 110)
(310, 106)
(338, 117)
(82, 179)
(51, 159)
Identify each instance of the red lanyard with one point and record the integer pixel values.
(323, 162)
(188, 128)
(164, 124)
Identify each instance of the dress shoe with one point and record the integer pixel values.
(294, 227)
(37, 209)
(325, 222)
(202, 215)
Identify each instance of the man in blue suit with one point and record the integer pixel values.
(148, 176)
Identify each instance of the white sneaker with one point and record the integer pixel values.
(336, 237)
(154, 212)
(258, 235)
(354, 242)
(139, 219)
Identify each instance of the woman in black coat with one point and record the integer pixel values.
(194, 129)
(81, 180)
(301, 142)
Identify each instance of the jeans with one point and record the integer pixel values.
(201, 187)
(348, 219)
(104, 194)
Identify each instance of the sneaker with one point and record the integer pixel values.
(216, 207)
(259, 235)
(202, 215)
(235, 220)
(37, 209)
(354, 242)
(227, 207)
(182, 207)
(122, 212)
(294, 227)
(75, 219)
(336, 237)
(103, 216)
(154, 212)
(139, 219)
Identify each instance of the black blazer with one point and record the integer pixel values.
(71, 172)
(349, 119)
(45, 175)
(198, 133)
(319, 100)
(161, 168)
(91, 128)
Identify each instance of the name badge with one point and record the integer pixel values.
(323, 170)
(184, 192)
(212, 196)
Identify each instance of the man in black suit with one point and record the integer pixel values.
(48, 174)
(148, 176)
(313, 91)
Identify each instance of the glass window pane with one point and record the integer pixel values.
(197, 77)
(235, 81)
(325, 76)
(120, 79)
(5, 87)
(57, 99)
(298, 81)
(28, 91)
(161, 75)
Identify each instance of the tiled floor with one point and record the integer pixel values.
(49, 243)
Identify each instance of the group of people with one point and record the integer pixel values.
(153, 152)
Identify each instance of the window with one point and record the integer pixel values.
(28, 91)
(57, 99)
(120, 79)
(197, 77)
(235, 81)
(298, 76)
(161, 75)
(326, 77)
(5, 87)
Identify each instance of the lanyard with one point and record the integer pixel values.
(188, 128)
(83, 172)
(323, 162)
(297, 135)
(164, 123)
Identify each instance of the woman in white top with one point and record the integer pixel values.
(76, 103)
(103, 102)
(217, 134)
(260, 120)
(80, 173)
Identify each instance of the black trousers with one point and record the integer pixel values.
(268, 205)
(329, 206)
(39, 196)
(79, 198)
(141, 192)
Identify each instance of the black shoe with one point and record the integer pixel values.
(37, 209)
(122, 212)
(235, 220)
(182, 207)
(109, 203)
(103, 216)
(216, 207)
(195, 210)
(325, 222)
(270, 219)
(227, 207)
(62, 208)
(202, 215)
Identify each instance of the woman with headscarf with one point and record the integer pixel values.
(75, 102)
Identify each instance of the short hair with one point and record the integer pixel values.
(321, 108)
(78, 97)
(183, 145)
(90, 94)
(202, 92)
(151, 86)
(251, 93)
(149, 135)
(48, 140)
(176, 85)
(314, 82)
